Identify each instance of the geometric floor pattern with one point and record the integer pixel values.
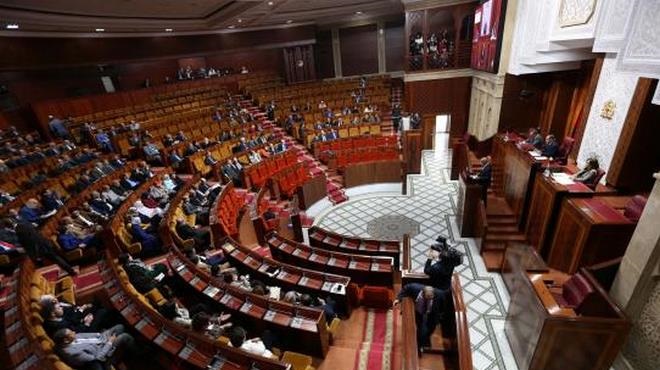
(431, 202)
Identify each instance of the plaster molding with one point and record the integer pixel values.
(575, 12)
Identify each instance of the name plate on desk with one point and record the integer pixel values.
(353, 265)
(283, 275)
(197, 282)
(226, 298)
(375, 267)
(180, 267)
(211, 291)
(304, 279)
(332, 261)
(270, 315)
(147, 328)
(169, 341)
(229, 247)
(216, 363)
(297, 252)
(274, 241)
(245, 308)
(313, 257)
(327, 286)
(192, 355)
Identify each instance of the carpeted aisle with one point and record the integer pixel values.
(376, 351)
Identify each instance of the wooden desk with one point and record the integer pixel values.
(520, 257)
(372, 172)
(544, 208)
(260, 312)
(544, 336)
(516, 170)
(588, 232)
(289, 277)
(374, 270)
(412, 150)
(330, 241)
(312, 191)
(467, 207)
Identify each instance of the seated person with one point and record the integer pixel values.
(237, 339)
(172, 311)
(209, 160)
(211, 326)
(83, 319)
(128, 183)
(233, 279)
(201, 236)
(254, 157)
(99, 204)
(141, 173)
(534, 138)
(150, 243)
(328, 306)
(430, 305)
(589, 173)
(51, 201)
(93, 350)
(151, 152)
(111, 196)
(551, 147)
(32, 212)
(190, 150)
(169, 184)
(144, 277)
(72, 237)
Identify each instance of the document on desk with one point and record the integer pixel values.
(563, 179)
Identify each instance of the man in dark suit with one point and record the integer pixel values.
(534, 138)
(37, 247)
(201, 237)
(440, 264)
(484, 175)
(430, 305)
(551, 147)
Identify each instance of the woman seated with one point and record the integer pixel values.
(589, 173)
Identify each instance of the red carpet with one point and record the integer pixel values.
(378, 338)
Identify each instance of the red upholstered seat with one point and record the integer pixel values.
(592, 185)
(634, 208)
(377, 297)
(565, 149)
(574, 292)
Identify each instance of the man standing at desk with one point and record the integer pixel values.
(484, 175)
(440, 264)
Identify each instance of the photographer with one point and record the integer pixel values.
(440, 264)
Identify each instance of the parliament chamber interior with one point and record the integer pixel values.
(330, 185)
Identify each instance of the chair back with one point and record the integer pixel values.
(599, 175)
(565, 149)
(576, 290)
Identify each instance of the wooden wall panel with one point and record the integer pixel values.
(359, 50)
(33, 52)
(637, 154)
(446, 96)
(325, 65)
(132, 75)
(395, 45)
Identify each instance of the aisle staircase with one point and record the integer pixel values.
(334, 181)
(502, 228)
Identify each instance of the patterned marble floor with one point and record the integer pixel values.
(431, 203)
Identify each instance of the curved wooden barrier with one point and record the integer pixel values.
(331, 241)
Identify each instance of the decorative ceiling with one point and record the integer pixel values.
(139, 17)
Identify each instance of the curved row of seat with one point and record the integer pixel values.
(256, 175)
(344, 158)
(225, 210)
(289, 179)
(345, 131)
(362, 269)
(331, 241)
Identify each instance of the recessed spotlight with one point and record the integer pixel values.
(231, 26)
(100, 30)
(240, 20)
(270, 3)
(289, 21)
(12, 26)
(358, 13)
(168, 30)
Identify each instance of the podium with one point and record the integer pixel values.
(469, 205)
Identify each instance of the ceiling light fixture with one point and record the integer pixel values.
(358, 13)
(231, 26)
(289, 21)
(168, 30)
(12, 26)
(270, 3)
(100, 30)
(240, 20)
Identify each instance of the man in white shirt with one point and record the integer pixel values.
(237, 338)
